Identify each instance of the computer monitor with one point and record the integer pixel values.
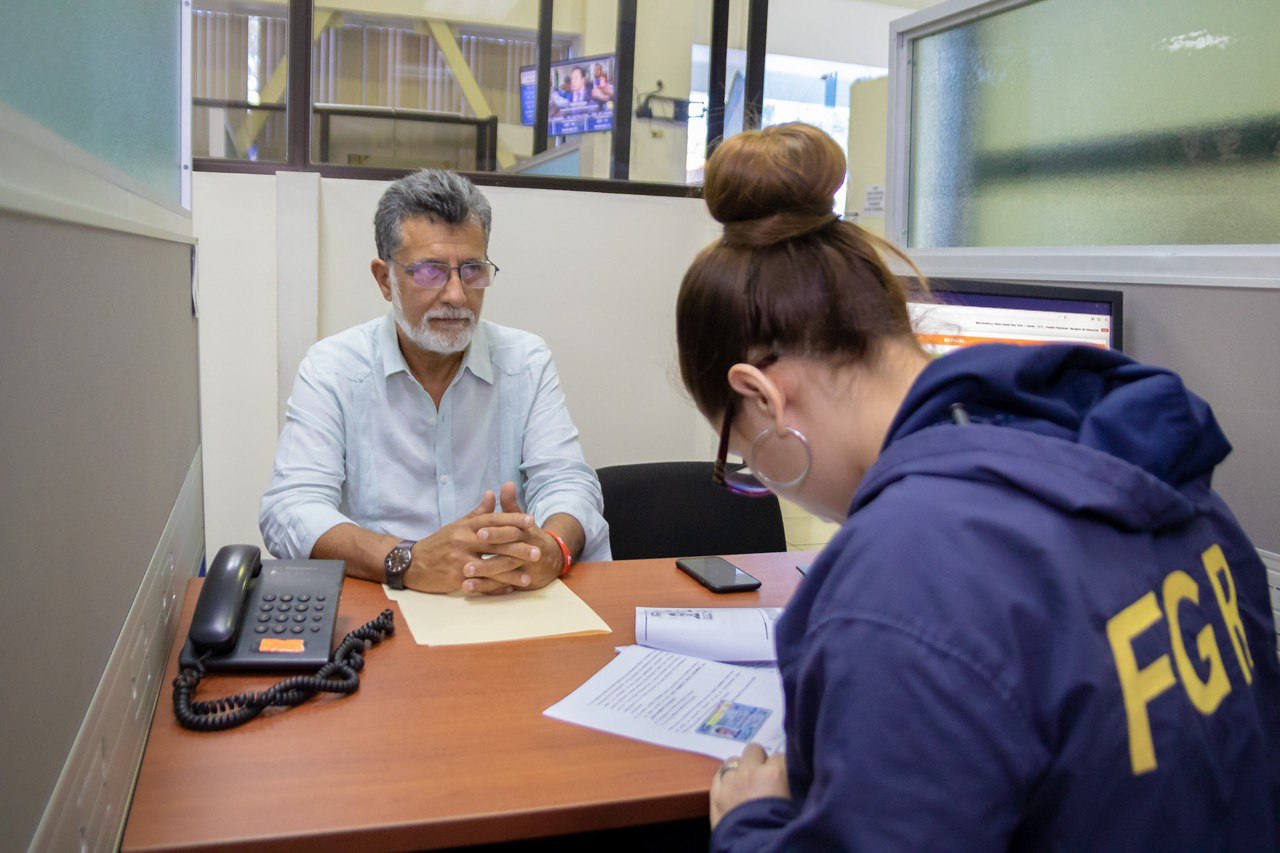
(961, 312)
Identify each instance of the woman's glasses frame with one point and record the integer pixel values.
(738, 479)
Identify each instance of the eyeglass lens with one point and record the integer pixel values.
(436, 275)
(742, 481)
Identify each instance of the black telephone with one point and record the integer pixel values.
(277, 615)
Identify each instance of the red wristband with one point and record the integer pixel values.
(564, 550)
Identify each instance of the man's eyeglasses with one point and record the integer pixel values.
(738, 478)
(434, 275)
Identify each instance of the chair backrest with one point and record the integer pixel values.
(672, 509)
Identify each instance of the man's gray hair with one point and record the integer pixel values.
(437, 194)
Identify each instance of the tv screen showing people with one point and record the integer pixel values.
(582, 95)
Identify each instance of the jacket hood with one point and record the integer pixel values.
(1084, 429)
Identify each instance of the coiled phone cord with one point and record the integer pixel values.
(339, 675)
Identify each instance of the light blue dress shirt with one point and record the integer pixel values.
(364, 443)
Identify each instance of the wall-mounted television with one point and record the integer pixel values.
(582, 95)
(961, 312)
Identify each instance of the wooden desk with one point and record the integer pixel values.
(441, 747)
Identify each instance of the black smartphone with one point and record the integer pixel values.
(717, 574)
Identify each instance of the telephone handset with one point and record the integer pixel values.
(273, 615)
(220, 608)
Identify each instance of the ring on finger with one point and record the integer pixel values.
(731, 764)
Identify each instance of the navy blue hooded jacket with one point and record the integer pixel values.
(1041, 630)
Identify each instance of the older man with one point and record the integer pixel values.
(430, 449)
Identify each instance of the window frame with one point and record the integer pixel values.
(1231, 265)
(298, 110)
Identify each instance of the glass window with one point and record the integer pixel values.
(734, 84)
(1071, 123)
(238, 81)
(433, 84)
(669, 128)
(414, 92)
(817, 92)
(811, 75)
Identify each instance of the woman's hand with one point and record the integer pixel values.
(749, 777)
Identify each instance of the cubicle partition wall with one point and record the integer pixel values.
(101, 507)
(100, 514)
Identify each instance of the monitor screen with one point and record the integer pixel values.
(962, 313)
(582, 95)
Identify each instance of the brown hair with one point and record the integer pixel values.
(788, 275)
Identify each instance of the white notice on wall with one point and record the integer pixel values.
(679, 701)
(874, 203)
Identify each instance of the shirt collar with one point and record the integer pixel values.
(476, 359)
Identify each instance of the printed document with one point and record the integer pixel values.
(679, 701)
(728, 634)
(456, 619)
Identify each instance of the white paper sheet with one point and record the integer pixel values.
(457, 619)
(728, 634)
(679, 701)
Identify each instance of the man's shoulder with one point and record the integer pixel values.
(352, 353)
(515, 351)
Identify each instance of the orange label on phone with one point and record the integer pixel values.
(271, 644)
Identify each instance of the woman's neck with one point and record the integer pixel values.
(850, 413)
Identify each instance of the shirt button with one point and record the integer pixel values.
(431, 421)
(444, 479)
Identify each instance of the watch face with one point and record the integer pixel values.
(398, 560)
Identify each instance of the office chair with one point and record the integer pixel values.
(672, 509)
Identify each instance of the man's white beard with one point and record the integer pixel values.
(442, 342)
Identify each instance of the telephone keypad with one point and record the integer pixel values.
(282, 617)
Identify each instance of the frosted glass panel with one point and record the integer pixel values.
(1076, 123)
(104, 75)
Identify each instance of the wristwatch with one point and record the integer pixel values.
(397, 563)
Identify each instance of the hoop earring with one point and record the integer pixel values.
(773, 483)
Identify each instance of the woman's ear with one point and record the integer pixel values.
(758, 391)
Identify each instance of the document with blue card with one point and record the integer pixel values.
(680, 701)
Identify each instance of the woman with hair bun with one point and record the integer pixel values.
(1038, 627)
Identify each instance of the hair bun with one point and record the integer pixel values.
(759, 233)
(773, 184)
